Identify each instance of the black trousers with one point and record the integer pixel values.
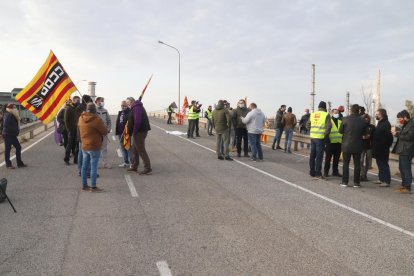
(191, 127)
(241, 134)
(9, 141)
(169, 118)
(72, 147)
(332, 151)
(197, 130)
(65, 138)
(357, 167)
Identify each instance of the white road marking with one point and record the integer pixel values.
(163, 268)
(334, 202)
(113, 137)
(131, 185)
(119, 152)
(29, 147)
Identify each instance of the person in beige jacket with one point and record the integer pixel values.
(289, 121)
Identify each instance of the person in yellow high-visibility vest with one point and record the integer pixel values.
(209, 115)
(192, 118)
(319, 125)
(333, 148)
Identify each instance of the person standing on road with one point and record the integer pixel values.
(405, 149)
(221, 122)
(353, 129)
(71, 123)
(138, 127)
(278, 127)
(366, 156)
(170, 111)
(381, 144)
(209, 115)
(302, 125)
(289, 122)
(91, 132)
(319, 125)
(241, 130)
(255, 121)
(80, 108)
(121, 121)
(333, 146)
(104, 115)
(192, 119)
(61, 124)
(10, 131)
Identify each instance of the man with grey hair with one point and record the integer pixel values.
(104, 115)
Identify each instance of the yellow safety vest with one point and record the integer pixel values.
(318, 124)
(191, 114)
(209, 114)
(335, 137)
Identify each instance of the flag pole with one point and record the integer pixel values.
(4, 192)
(145, 88)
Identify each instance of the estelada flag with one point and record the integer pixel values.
(185, 105)
(47, 91)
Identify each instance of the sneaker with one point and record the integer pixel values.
(228, 158)
(357, 185)
(344, 184)
(132, 170)
(86, 189)
(146, 172)
(253, 159)
(383, 184)
(404, 191)
(96, 190)
(376, 182)
(123, 165)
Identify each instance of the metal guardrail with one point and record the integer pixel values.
(30, 129)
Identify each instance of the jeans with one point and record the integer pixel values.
(384, 173)
(405, 170)
(366, 162)
(278, 135)
(288, 139)
(254, 141)
(357, 164)
(223, 140)
(241, 134)
(332, 150)
(126, 154)
(9, 141)
(316, 157)
(90, 157)
(191, 128)
(80, 162)
(209, 127)
(305, 132)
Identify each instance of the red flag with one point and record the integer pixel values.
(185, 105)
(145, 88)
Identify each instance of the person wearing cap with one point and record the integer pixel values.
(91, 132)
(10, 131)
(320, 126)
(341, 110)
(104, 115)
(353, 130)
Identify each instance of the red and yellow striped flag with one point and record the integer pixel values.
(47, 91)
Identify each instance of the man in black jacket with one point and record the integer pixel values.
(278, 127)
(71, 125)
(381, 147)
(353, 129)
(405, 148)
(121, 121)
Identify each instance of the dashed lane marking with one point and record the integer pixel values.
(163, 268)
(332, 201)
(131, 185)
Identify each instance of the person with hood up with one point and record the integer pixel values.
(10, 131)
(91, 132)
(241, 130)
(138, 127)
(255, 121)
(221, 122)
(104, 115)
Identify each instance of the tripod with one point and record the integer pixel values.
(4, 192)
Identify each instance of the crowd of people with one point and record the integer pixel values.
(332, 135)
(84, 126)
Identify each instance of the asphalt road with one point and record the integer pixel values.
(197, 215)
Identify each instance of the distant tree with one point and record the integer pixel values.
(409, 105)
(367, 97)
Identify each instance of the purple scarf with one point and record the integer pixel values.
(136, 110)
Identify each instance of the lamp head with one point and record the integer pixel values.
(160, 42)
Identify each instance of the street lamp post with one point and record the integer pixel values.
(179, 69)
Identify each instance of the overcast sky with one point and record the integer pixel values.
(229, 49)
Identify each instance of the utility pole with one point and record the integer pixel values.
(347, 103)
(378, 92)
(329, 106)
(313, 89)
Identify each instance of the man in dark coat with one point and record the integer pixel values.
(119, 131)
(278, 127)
(405, 148)
(71, 125)
(381, 147)
(353, 129)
